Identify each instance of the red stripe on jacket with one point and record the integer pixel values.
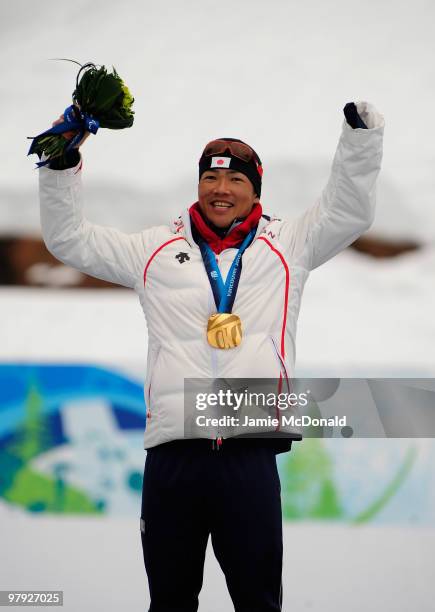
(162, 246)
(284, 319)
(287, 286)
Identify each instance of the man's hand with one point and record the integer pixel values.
(368, 114)
(70, 158)
(71, 134)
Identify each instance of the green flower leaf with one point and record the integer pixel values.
(100, 94)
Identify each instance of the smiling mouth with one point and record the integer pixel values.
(219, 204)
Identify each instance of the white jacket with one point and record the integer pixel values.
(176, 297)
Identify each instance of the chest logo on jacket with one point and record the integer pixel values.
(182, 257)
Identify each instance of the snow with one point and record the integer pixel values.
(98, 564)
(280, 82)
(276, 76)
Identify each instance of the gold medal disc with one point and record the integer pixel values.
(224, 331)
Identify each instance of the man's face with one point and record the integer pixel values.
(225, 195)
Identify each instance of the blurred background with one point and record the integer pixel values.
(359, 514)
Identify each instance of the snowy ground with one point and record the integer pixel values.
(98, 564)
(359, 317)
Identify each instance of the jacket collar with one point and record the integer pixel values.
(182, 226)
(235, 235)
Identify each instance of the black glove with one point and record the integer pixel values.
(352, 117)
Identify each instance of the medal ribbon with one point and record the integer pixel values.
(224, 293)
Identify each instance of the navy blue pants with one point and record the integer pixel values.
(191, 491)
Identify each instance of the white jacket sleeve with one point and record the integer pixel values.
(102, 252)
(346, 206)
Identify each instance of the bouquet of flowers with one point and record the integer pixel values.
(100, 99)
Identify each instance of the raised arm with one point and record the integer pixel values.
(102, 252)
(346, 206)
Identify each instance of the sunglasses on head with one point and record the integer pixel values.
(237, 149)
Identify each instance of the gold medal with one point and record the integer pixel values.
(224, 331)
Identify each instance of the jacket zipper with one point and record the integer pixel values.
(217, 440)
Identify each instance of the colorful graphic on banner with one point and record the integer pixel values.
(71, 441)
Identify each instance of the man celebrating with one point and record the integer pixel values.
(221, 290)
